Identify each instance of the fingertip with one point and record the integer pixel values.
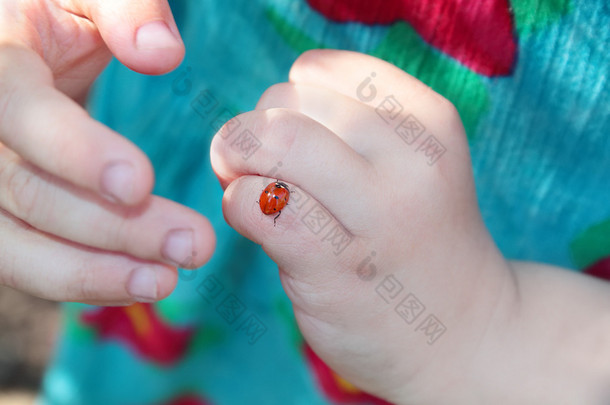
(204, 244)
(143, 36)
(155, 49)
(155, 35)
(190, 245)
(144, 179)
(231, 203)
(241, 209)
(207, 244)
(167, 278)
(217, 161)
(127, 181)
(149, 284)
(159, 48)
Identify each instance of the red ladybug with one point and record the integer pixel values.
(274, 198)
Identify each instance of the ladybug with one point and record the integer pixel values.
(274, 198)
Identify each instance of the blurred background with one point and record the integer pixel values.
(28, 329)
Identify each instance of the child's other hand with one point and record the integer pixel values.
(393, 277)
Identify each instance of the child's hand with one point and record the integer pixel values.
(77, 219)
(393, 277)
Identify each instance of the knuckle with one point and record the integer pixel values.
(17, 65)
(117, 233)
(264, 133)
(83, 286)
(21, 191)
(442, 105)
(7, 96)
(7, 276)
(282, 125)
(447, 108)
(279, 131)
(307, 60)
(275, 96)
(9, 261)
(64, 153)
(229, 129)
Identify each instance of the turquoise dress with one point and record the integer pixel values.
(530, 80)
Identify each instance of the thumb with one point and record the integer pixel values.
(141, 34)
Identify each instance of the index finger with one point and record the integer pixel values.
(50, 130)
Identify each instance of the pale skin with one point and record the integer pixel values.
(516, 333)
(74, 226)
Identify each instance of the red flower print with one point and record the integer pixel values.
(141, 328)
(478, 33)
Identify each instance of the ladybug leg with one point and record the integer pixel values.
(276, 217)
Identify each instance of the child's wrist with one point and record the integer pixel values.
(547, 341)
(481, 301)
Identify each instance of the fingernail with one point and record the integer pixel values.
(142, 284)
(155, 35)
(118, 181)
(178, 246)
